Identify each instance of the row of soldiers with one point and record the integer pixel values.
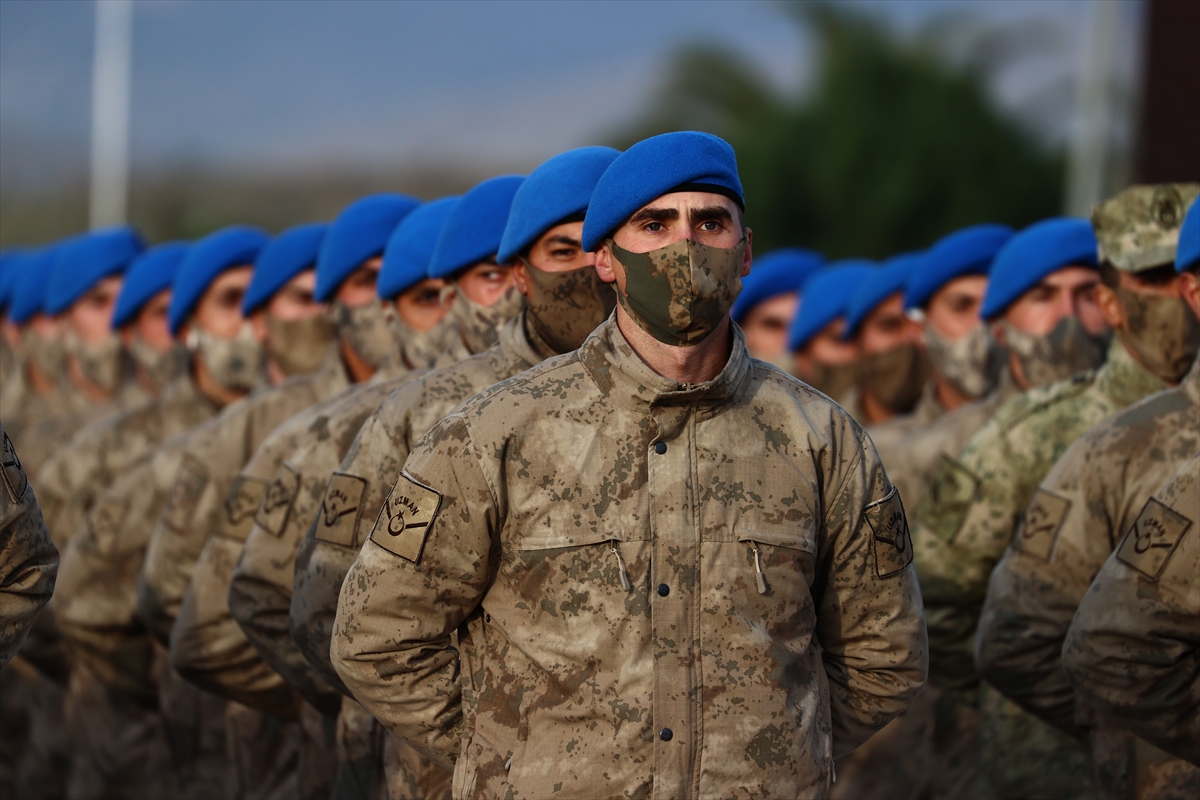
(306, 551)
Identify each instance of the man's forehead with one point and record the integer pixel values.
(682, 201)
(1070, 276)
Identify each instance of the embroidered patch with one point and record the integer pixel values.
(1040, 524)
(281, 492)
(104, 522)
(406, 517)
(889, 534)
(951, 492)
(341, 509)
(237, 515)
(185, 494)
(14, 474)
(1153, 538)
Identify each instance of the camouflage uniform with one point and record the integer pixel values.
(887, 435)
(570, 511)
(1133, 645)
(962, 527)
(1083, 506)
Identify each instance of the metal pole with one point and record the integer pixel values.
(1090, 157)
(111, 73)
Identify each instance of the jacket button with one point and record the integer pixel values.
(660, 447)
(665, 734)
(663, 590)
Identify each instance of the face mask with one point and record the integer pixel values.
(833, 381)
(680, 293)
(160, 366)
(565, 307)
(100, 363)
(895, 376)
(365, 329)
(1163, 332)
(1066, 350)
(233, 363)
(971, 363)
(421, 348)
(480, 325)
(47, 355)
(298, 345)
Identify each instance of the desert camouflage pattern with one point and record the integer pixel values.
(1131, 650)
(565, 307)
(1138, 229)
(1078, 515)
(558, 523)
(887, 435)
(479, 326)
(961, 531)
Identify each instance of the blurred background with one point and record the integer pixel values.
(862, 128)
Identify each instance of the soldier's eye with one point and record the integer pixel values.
(654, 227)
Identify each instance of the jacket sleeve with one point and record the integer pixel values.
(424, 569)
(870, 622)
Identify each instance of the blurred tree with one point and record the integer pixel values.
(892, 147)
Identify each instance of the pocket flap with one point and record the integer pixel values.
(794, 538)
(556, 540)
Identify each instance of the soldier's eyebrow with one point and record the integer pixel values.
(567, 240)
(714, 213)
(655, 215)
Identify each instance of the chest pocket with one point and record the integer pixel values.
(586, 557)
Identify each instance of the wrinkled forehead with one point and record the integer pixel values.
(686, 204)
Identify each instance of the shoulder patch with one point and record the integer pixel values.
(104, 522)
(341, 509)
(889, 535)
(185, 494)
(951, 492)
(406, 517)
(277, 503)
(1039, 526)
(15, 480)
(237, 514)
(1153, 538)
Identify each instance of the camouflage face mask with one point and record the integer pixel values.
(680, 293)
(565, 307)
(47, 355)
(896, 376)
(365, 329)
(234, 363)
(834, 380)
(480, 325)
(298, 345)
(1066, 350)
(1162, 331)
(101, 362)
(971, 363)
(421, 348)
(160, 366)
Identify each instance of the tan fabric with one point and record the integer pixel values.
(612, 638)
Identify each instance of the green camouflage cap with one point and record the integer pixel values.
(1139, 228)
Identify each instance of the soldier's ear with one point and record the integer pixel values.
(747, 254)
(1189, 287)
(604, 264)
(1111, 307)
(258, 324)
(521, 276)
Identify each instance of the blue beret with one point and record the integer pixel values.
(284, 257)
(359, 233)
(560, 188)
(29, 293)
(654, 167)
(825, 296)
(966, 252)
(85, 260)
(11, 262)
(475, 226)
(205, 260)
(150, 273)
(406, 258)
(891, 277)
(1188, 250)
(1034, 253)
(778, 272)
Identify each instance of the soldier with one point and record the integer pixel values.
(1131, 650)
(11, 266)
(973, 507)
(824, 360)
(1091, 497)
(768, 302)
(558, 522)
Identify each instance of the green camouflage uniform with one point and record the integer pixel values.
(658, 589)
(1132, 648)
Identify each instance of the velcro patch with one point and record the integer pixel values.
(185, 494)
(889, 534)
(281, 492)
(1039, 526)
(237, 515)
(1153, 538)
(406, 518)
(341, 509)
(104, 522)
(952, 491)
(15, 480)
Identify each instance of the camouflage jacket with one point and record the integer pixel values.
(213, 456)
(358, 487)
(28, 559)
(88, 463)
(887, 435)
(1133, 646)
(975, 501)
(658, 589)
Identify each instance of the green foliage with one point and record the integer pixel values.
(891, 148)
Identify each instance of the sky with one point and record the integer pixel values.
(354, 83)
